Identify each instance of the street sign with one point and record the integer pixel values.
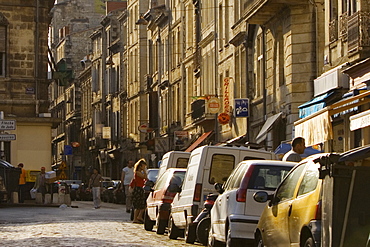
(161, 144)
(7, 124)
(144, 128)
(7, 137)
(241, 107)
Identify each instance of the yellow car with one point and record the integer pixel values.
(293, 215)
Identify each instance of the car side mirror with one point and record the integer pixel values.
(262, 197)
(219, 188)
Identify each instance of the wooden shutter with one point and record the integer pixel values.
(2, 38)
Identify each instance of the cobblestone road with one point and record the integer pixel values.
(77, 226)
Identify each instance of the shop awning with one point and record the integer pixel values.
(267, 127)
(198, 141)
(317, 127)
(317, 103)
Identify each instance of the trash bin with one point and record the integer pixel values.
(10, 175)
(345, 200)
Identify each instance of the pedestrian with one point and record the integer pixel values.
(298, 147)
(40, 184)
(22, 183)
(126, 177)
(138, 197)
(95, 184)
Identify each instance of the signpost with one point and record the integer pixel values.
(7, 124)
(4, 137)
(7, 137)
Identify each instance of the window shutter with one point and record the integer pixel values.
(2, 38)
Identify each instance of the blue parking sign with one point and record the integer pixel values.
(68, 150)
(241, 107)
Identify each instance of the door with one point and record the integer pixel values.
(274, 223)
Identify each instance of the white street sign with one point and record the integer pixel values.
(7, 124)
(7, 137)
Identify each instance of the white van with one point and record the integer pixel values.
(207, 165)
(173, 159)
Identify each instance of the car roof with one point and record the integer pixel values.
(270, 162)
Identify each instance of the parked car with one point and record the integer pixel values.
(84, 192)
(175, 159)
(152, 178)
(292, 216)
(207, 165)
(106, 191)
(160, 199)
(119, 194)
(235, 214)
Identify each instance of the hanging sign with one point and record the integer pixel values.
(241, 107)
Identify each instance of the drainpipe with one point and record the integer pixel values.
(264, 71)
(216, 67)
(36, 72)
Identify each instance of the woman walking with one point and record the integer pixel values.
(95, 183)
(138, 197)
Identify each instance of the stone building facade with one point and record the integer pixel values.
(23, 81)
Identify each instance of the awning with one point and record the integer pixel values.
(267, 127)
(198, 141)
(286, 147)
(317, 103)
(317, 127)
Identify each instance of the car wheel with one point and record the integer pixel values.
(148, 224)
(203, 230)
(259, 241)
(173, 231)
(212, 242)
(190, 234)
(309, 242)
(161, 226)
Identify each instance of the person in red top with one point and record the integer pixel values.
(138, 197)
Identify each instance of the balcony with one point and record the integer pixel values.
(358, 31)
(260, 11)
(199, 111)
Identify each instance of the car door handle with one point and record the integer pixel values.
(290, 210)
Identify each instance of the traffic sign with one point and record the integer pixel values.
(144, 128)
(7, 124)
(7, 137)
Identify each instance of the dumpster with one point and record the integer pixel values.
(345, 198)
(10, 176)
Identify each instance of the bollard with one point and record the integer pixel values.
(67, 199)
(38, 198)
(14, 197)
(55, 198)
(61, 198)
(47, 199)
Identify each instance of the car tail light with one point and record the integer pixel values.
(318, 211)
(168, 197)
(197, 192)
(241, 193)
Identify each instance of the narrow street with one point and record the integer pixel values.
(79, 225)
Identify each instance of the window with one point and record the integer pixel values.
(182, 163)
(177, 178)
(221, 167)
(310, 179)
(236, 177)
(287, 188)
(268, 177)
(2, 50)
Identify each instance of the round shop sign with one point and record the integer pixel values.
(213, 105)
(144, 128)
(223, 118)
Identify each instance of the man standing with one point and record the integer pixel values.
(22, 183)
(126, 177)
(298, 147)
(95, 183)
(40, 183)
